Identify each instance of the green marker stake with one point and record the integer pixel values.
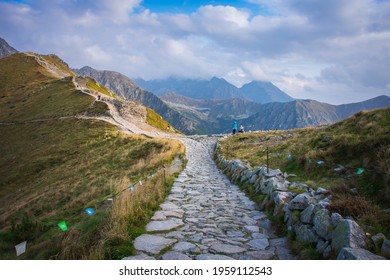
(63, 226)
(360, 171)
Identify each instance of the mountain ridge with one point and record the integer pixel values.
(216, 88)
(126, 88)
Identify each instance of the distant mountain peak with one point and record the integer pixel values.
(6, 49)
(217, 88)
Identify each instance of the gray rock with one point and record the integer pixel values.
(378, 239)
(301, 201)
(252, 229)
(386, 248)
(262, 255)
(335, 218)
(184, 247)
(322, 224)
(158, 216)
(226, 249)
(308, 214)
(320, 191)
(259, 244)
(322, 245)
(152, 244)
(171, 255)
(253, 179)
(168, 206)
(306, 233)
(213, 257)
(274, 173)
(171, 224)
(280, 198)
(357, 254)
(139, 258)
(348, 234)
(324, 203)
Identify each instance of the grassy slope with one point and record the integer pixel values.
(52, 169)
(362, 140)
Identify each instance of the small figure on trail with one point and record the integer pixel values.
(241, 129)
(234, 127)
(98, 97)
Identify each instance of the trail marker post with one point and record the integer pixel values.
(267, 160)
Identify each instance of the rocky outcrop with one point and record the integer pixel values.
(304, 211)
(6, 49)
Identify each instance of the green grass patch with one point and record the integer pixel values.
(95, 86)
(157, 121)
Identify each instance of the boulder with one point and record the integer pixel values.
(357, 254)
(253, 178)
(301, 201)
(280, 199)
(322, 224)
(378, 239)
(322, 245)
(320, 191)
(308, 214)
(348, 234)
(335, 218)
(306, 233)
(386, 248)
(274, 173)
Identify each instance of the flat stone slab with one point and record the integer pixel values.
(139, 257)
(184, 247)
(259, 244)
(171, 255)
(226, 248)
(262, 255)
(168, 206)
(213, 257)
(252, 229)
(166, 225)
(152, 244)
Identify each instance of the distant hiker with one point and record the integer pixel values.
(98, 97)
(234, 127)
(241, 129)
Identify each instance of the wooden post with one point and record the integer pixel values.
(165, 184)
(267, 160)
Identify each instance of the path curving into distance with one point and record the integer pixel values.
(205, 217)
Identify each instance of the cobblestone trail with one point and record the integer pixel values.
(206, 217)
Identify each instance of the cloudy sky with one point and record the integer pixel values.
(336, 51)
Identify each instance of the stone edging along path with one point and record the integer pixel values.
(305, 212)
(205, 217)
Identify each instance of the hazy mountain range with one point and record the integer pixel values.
(216, 88)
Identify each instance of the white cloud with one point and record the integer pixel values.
(328, 50)
(96, 55)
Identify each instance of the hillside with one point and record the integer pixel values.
(62, 152)
(216, 88)
(304, 113)
(126, 88)
(6, 49)
(349, 158)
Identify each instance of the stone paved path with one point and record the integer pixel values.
(205, 217)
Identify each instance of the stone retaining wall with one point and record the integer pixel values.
(305, 212)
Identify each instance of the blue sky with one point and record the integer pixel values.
(336, 51)
(180, 6)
